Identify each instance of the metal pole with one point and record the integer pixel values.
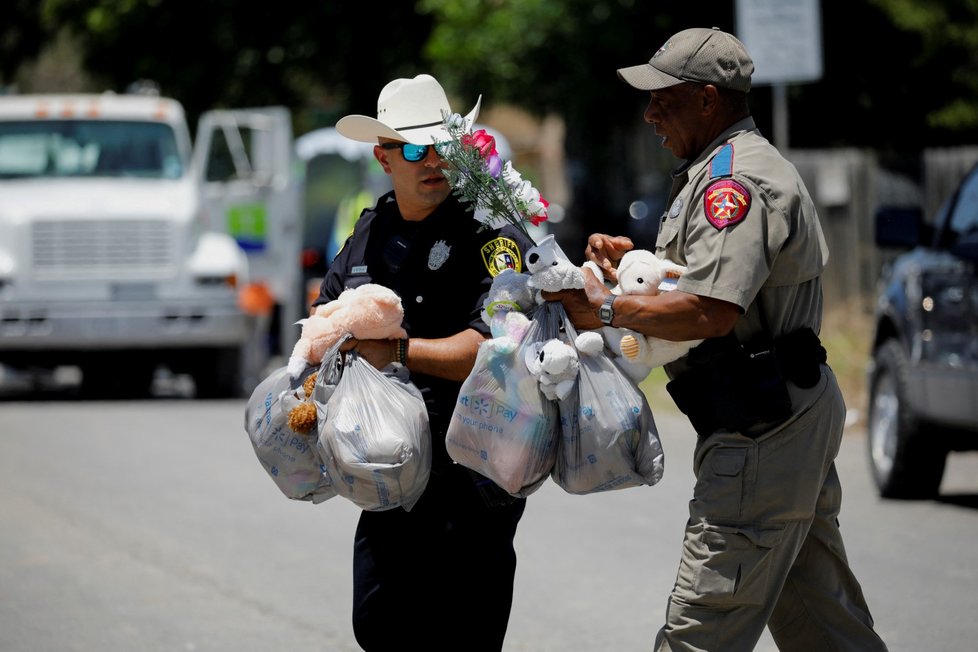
(780, 99)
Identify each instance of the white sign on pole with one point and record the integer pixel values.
(783, 37)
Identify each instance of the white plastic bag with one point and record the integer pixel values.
(608, 438)
(503, 426)
(290, 458)
(374, 437)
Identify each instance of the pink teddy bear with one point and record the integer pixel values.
(367, 312)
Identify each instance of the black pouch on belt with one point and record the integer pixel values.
(730, 385)
(800, 356)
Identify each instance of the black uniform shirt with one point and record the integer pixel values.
(441, 267)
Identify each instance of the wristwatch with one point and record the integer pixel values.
(606, 312)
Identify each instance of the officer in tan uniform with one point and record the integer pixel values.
(762, 545)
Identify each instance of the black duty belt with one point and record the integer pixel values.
(735, 386)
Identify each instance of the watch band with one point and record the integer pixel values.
(607, 311)
(400, 351)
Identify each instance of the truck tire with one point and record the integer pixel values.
(907, 460)
(117, 376)
(217, 374)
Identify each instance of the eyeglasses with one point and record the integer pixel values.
(411, 153)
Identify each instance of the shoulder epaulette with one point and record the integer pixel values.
(722, 163)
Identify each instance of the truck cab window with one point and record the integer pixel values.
(78, 148)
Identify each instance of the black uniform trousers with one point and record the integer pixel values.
(440, 576)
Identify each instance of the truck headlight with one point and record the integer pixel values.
(217, 260)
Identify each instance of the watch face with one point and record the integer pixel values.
(605, 312)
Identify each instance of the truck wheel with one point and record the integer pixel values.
(116, 377)
(906, 460)
(217, 374)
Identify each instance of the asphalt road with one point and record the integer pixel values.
(150, 526)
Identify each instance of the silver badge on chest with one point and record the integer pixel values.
(676, 207)
(438, 254)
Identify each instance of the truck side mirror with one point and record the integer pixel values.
(966, 246)
(901, 227)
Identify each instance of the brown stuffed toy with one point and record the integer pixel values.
(302, 418)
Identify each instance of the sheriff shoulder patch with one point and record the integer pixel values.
(500, 253)
(726, 203)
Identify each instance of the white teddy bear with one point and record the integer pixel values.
(551, 270)
(641, 272)
(555, 365)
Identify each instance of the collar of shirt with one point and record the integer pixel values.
(747, 124)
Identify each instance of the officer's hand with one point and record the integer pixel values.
(606, 251)
(582, 306)
(379, 353)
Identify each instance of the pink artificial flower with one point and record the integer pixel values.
(482, 141)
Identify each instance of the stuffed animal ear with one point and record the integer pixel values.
(327, 309)
(593, 267)
(589, 342)
(544, 254)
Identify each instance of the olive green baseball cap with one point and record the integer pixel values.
(701, 55)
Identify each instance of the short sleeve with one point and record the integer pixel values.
(730, 260)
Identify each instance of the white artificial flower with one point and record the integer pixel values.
(489, 218)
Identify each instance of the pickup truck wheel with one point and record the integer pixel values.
(905, 462)
(217, 374)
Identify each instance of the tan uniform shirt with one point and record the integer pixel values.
(745, 227)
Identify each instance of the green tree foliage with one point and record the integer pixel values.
(21, 35)
(220, 53)
(946, 34)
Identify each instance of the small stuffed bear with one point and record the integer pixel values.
(641, 272)
(550, 269)
(368, 312)
(302, 417)
(555, 365)
(504, 310)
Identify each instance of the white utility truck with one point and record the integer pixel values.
(124, 248)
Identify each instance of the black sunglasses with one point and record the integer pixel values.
(411, 153)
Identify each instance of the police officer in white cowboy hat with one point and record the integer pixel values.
(439, 576)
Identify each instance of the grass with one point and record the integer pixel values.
(846, 333)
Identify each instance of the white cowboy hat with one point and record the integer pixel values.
(409, 110)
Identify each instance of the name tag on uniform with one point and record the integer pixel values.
(359, 269)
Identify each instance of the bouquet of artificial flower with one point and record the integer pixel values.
(498, 193)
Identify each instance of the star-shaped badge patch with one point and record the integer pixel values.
(726, 203)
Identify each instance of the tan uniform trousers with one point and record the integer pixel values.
(762, 545)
